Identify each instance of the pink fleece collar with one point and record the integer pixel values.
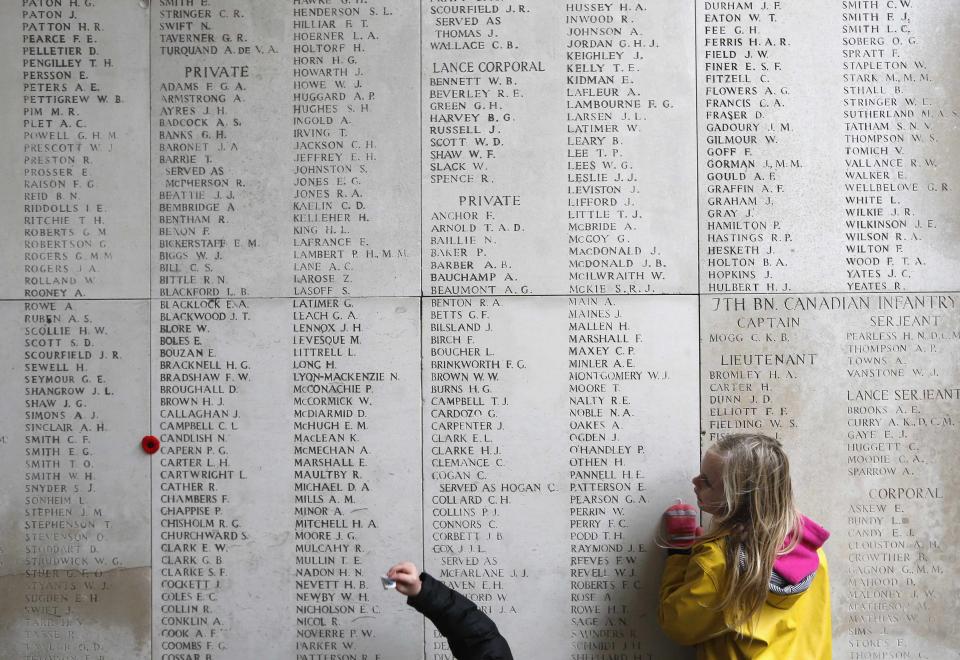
(802, 560)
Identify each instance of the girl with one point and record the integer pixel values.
(756, 585)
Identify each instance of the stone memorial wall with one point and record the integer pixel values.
(468, 282)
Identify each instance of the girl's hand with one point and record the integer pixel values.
(679, 526)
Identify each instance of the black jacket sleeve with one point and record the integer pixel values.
(472, 635)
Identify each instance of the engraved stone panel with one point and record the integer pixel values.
(75, 179)
(544, 518)
(549, 132)
(859, 381)
(75, 547)
(286, 478)
(828, 142)
(268, 147)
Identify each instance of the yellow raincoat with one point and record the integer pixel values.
(794, 627)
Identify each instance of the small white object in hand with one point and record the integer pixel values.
(387, 582)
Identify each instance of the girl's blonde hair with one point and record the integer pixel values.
(758, 519)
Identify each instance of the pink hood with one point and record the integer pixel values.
(802, 560)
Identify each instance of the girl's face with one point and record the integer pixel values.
(708, 485)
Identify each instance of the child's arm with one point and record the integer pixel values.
(470, 632)
(689, 595)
